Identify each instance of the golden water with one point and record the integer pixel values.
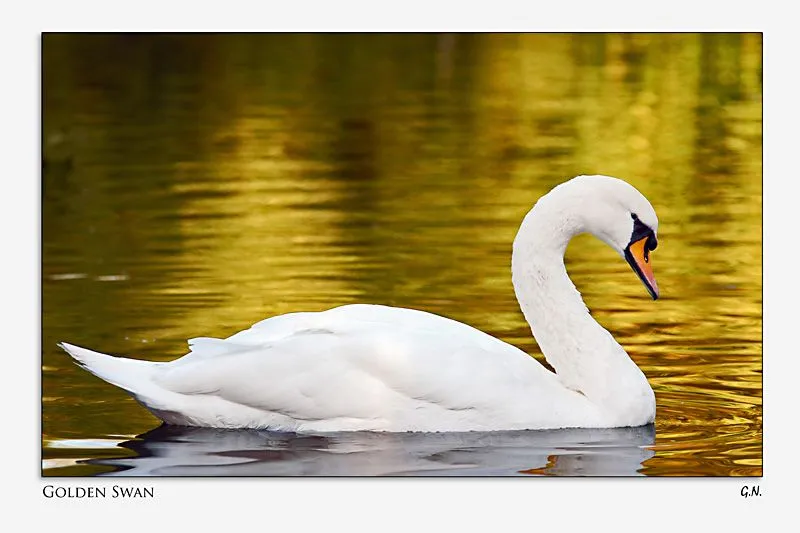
(193, 185)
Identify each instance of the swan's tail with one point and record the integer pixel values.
(132, 375)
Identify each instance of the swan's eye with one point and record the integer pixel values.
(640, 229)
(650, 244)
(643, 231)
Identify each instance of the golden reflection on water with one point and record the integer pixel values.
(193, 185)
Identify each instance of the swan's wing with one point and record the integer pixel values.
(259, 335)
(345, 318)
(367, 363)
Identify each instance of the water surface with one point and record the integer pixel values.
(182, 451)
(193, 185)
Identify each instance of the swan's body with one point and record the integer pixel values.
(370, 367)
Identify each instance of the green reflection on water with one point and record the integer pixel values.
(193, 185)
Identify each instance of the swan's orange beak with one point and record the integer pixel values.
(638, 256)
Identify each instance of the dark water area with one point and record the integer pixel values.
(193, 185)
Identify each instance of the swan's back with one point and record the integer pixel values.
(358, 367)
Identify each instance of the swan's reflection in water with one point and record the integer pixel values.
(180, 451)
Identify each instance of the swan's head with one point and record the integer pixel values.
(618, 214)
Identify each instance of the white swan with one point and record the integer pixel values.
(377, 368)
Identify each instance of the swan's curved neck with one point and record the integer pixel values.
(585, 356)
